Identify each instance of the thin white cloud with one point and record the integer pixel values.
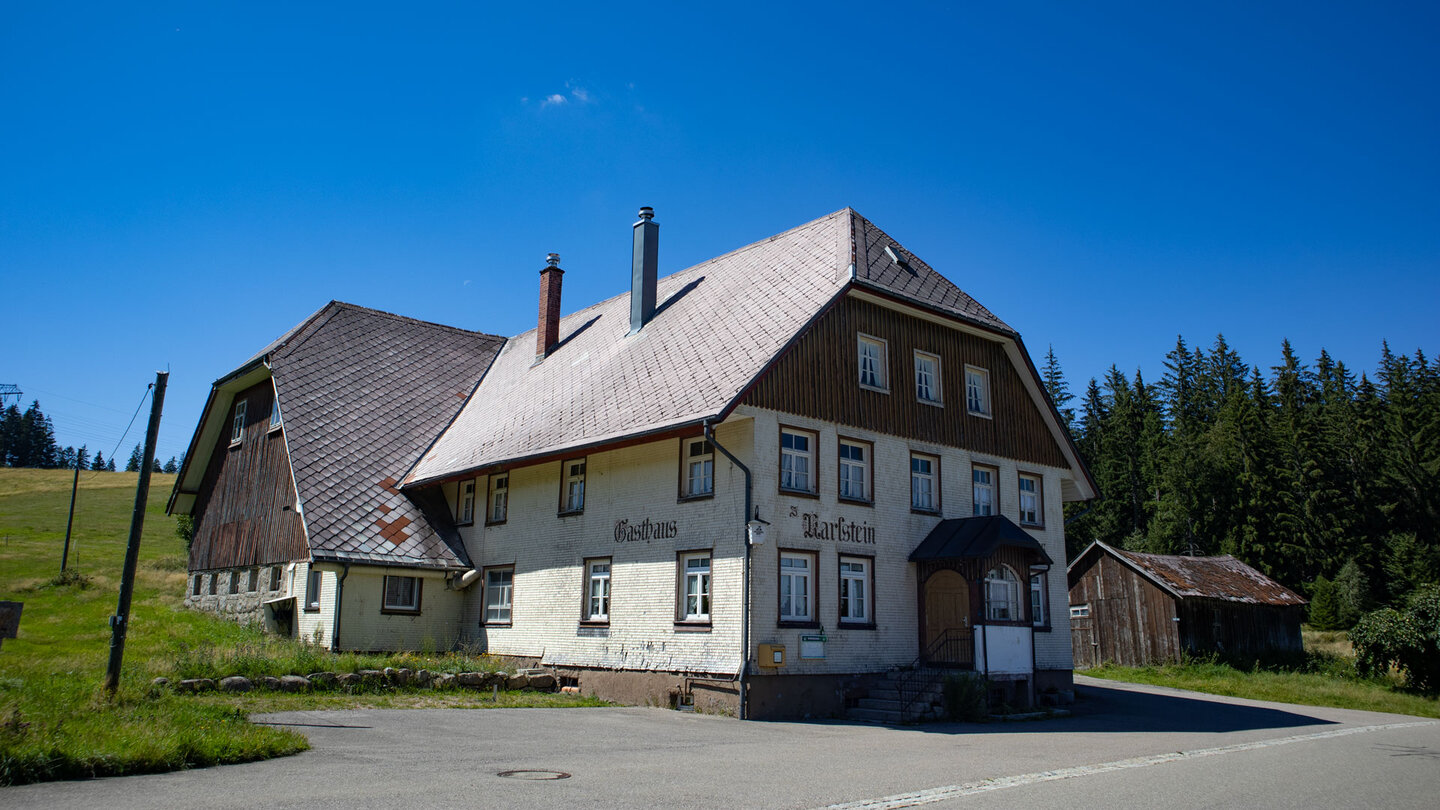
(553, 100)
(581, 95)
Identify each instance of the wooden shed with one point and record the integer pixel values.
(1134, 609)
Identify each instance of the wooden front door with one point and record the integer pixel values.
(948, 637)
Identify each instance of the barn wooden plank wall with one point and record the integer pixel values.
(818, 378)
(1131, 621)
(250, 488)
(1238, 628)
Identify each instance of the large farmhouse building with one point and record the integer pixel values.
(743, 484)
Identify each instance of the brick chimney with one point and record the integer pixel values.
(644, 266)
(549, 332)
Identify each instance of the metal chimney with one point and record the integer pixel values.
(644, 267)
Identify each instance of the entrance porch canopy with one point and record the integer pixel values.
(975, 538)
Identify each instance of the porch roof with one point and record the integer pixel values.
(975, 537)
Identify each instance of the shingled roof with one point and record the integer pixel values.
(716, 327)
(1222, 577)
(363, 392)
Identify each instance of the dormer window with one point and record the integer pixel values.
(237, 427)
(874, 370)
(274, 415)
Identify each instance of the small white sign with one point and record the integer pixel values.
(812, 646)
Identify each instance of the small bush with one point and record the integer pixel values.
(70, 578)
(965, 697)
(1410, 641)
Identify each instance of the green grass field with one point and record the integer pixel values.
(55, 720)
(1326, 677)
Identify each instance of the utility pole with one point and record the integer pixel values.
(119, 621)
(74, 488)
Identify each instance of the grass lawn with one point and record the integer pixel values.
(56, 722)
(1327, 679)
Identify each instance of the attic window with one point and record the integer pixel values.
(237, 427)
(275, 415)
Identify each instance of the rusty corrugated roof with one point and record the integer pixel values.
(1221, 577)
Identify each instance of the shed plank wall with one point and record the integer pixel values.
(818, 377)
(1131, 622)
(240, 513)
(1240, 629)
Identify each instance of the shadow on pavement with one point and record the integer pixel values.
(1100, 709)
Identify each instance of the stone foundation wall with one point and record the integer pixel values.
(660, 689)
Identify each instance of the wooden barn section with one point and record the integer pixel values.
(1134, 609)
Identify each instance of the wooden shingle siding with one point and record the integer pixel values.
(240, 513)
(818, 377)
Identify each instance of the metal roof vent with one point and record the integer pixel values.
(893, 251)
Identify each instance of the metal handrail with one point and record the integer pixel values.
(920, 679)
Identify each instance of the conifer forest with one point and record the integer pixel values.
(1327, 482)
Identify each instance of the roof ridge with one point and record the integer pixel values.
(737, 251)
(417, 321)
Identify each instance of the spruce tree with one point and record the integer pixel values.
(172, 466)
(1055, 386)
(136, 457)
(98, 465)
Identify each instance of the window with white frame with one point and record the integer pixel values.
(983, 490)
(402, 594)
(694, 587)
(597, 590)
(924, 483)
(499, 500)
(1002, 595)
(797, 460)
(274, 414)
(797, 592)
(927, 378)
(977, 390)
(274, 577)
(874, 372)
(855, 598)
(237, 427)
(499, 587)
(1039, 603)
(1080, 611)
(699, 468)
(465, 505)
(312, 590)
(573, 497)
(854, 470)
(1030, 501)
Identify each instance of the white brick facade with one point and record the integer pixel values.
(548, 553)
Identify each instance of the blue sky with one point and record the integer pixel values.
(180, 184)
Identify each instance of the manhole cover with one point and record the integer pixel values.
(534, 775)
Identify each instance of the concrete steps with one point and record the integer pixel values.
(882, 701)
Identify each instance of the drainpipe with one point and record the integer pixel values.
(745, 582)
(339, 600)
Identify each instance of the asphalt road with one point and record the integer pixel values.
(1126, 746)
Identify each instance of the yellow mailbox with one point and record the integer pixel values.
(772, 655)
